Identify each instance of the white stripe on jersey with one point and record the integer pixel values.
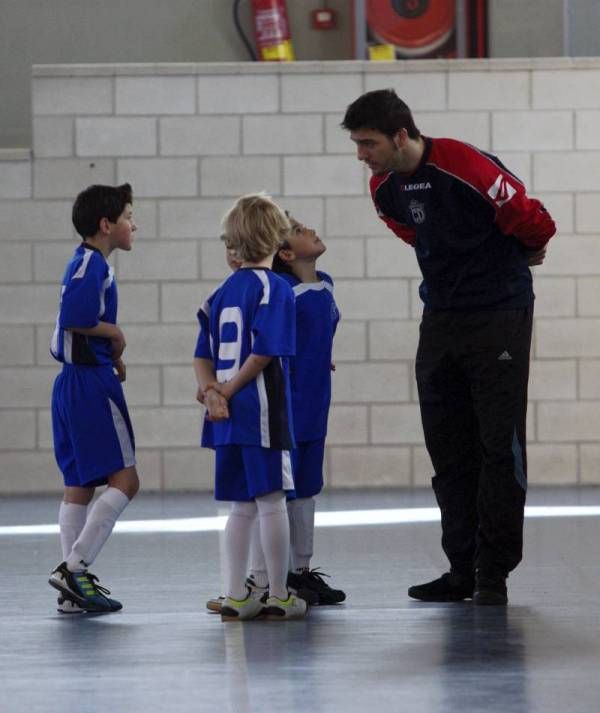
(262, 276)
(105, 285)
(87, 255)
(303, 287)
(265, 438)
(122, 435)
(54, 341)
(206, 306)
(287, 476)
(68, 346)
(56, 333)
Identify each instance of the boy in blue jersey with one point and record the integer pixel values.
(310, 370)
(317, 317)
(247, 334)
(93, 437)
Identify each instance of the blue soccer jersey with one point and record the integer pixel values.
(317, 317)
(252, 312)
(89, 295)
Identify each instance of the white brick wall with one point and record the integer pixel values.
(52, 136)
(72, 95)
(234, 176)
(115, 136)
(202, 135)
(492, 90)
(17, 346)
(287, 134)
(421, 91)
(192, 138)
(319, 92)
(232, 94)
(15, 179)
(155, 95)
(157, 177)
(65, 177)
(322, 175)
(531, 131)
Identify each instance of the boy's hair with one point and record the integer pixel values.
(227, 241)
(255, 226)
(279, 264)
(98, 202)
(381, 110)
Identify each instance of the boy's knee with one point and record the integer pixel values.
(127, 481)
(272, 503)
(244, 509)
(78, 495)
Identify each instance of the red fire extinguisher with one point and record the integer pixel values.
(272, 30)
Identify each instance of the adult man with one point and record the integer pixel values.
(475, 234)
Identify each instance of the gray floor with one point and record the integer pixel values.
(379, 652)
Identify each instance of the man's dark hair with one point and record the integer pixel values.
(381, 110)
(98, 202)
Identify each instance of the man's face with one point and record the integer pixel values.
(378, 151)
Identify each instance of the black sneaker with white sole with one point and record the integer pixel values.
(311, 583)
(83, 589)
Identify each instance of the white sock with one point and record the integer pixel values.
(275, 540)
(237, 542)
(71, 520)
(302, 531)
(97, 528)
(258, 566)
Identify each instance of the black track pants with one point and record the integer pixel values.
(472, 370)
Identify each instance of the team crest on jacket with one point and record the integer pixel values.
(417, 211)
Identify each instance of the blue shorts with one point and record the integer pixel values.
(243, 473)
(307, 459)
(92, 432)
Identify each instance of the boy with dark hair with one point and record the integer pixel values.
(93, 437)
(475, 233)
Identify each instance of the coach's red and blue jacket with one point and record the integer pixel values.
(471, 224)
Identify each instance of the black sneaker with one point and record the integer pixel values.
(83, 589)
(450, 587)
(490, 588)
(311, 583)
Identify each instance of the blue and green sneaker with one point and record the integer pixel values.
(83, 589)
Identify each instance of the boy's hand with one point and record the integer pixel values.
(118, 344)
(216, 406)
(332, 366)
(224, 390)
(201, 393)
(119, 366)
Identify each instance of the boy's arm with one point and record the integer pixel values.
(121, 369)
(107, 331)
(250, 369)
(207, 393)
(205, 376)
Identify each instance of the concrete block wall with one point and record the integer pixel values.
(190, 138)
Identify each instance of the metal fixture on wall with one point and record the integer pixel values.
(420, 28)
